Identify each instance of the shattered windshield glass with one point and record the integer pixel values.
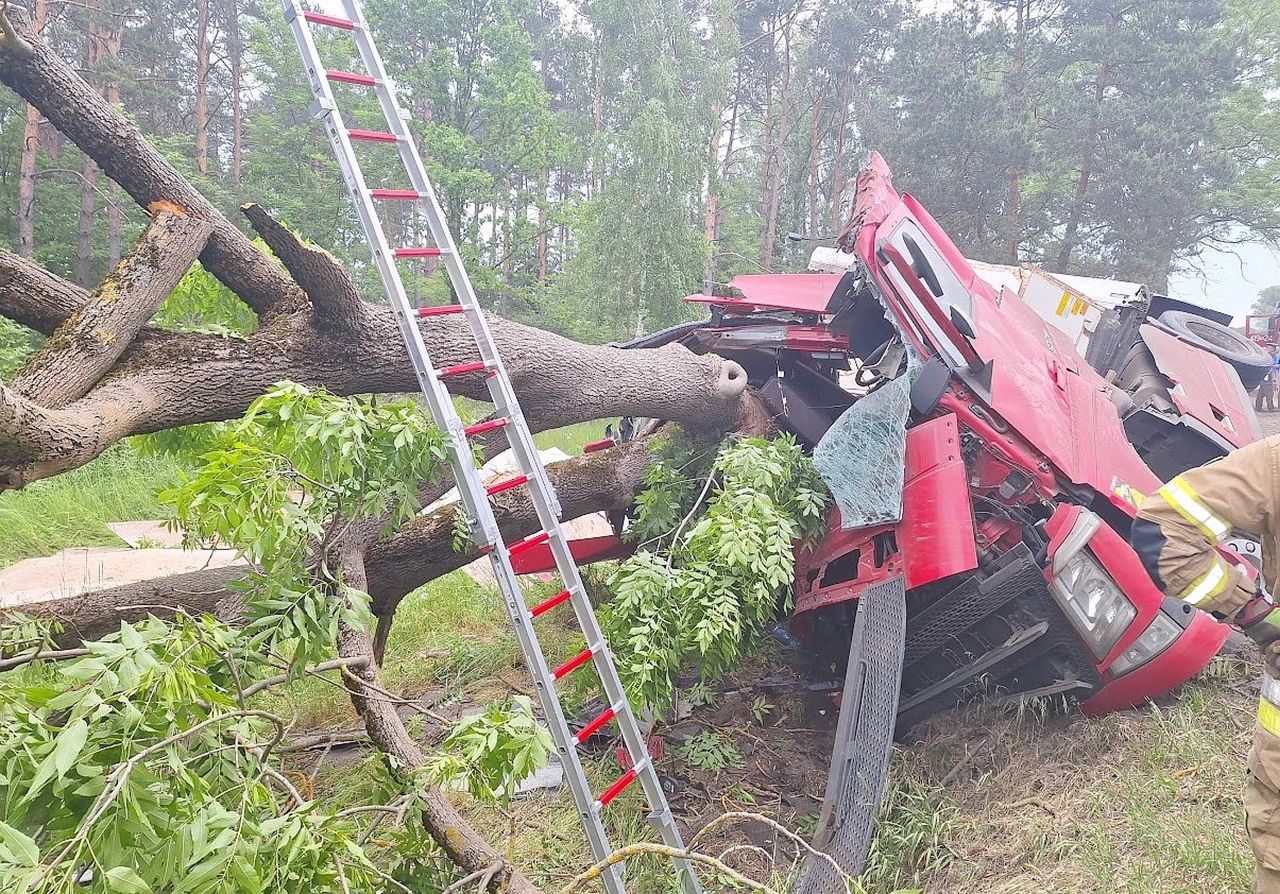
(862, 457)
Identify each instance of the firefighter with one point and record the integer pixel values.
(1176, 534)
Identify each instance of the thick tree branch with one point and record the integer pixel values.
(34, 297)
(165, 381)
(43, 78)
(87, 345)
(418, 553)
(331, 290)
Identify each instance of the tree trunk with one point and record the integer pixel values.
(1018, 86)
(83, 348)
(837, 164)
(815, 145)
(88, 170)
(779, 148)
(27, 167)
(38, 74)
(711, 207)
(1076, 214)
(237, 106)
(544, 237)
(201, 113)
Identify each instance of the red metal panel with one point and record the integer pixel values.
(935, 537)
(585, 551)
(1041, 388)
(597, 446)
(1205, 388)
(807, 293)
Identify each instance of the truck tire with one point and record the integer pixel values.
(1250, 361)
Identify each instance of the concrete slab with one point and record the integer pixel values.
(82, 570)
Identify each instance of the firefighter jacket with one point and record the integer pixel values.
(1178, 527)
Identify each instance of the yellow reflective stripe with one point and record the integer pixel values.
(1062, 305)
(1211, 583)
(1178, 494)
(1269, 717)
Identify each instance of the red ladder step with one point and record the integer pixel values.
(618, 787)
(372, 136)
(319, 18)
(432, 252)
(543, 607)
(572, 664)
(440, 310)
(520, 546)
(350, 77)
(594, 726)
(481, 427)
(506, 485)
(396, 194)
(461, 369)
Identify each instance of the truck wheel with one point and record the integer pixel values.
(1249, 360)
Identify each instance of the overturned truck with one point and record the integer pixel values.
(987, 457)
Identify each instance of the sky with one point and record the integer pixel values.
(1228, 281)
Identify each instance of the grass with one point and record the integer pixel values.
(571, 438)
(73, 509)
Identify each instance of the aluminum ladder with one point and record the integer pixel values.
(507, 417)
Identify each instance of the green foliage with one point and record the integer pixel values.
(16, 344)
(491, 753)
(727, 569)
(135, 766)
(281, 481)
(202, 304)
(708, 750)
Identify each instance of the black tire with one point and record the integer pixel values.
(1250, 361)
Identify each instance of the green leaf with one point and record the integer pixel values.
(126, 881)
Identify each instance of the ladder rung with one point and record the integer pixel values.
(481, 427)
(440, 310)
(543, 607)
(431, 252)
(351, 77)
(594, 726)
(617, 788)
(506, 485)
(461, 369)
(319, 18)
(396, 194)
(520, 546)
(572, 664)
(372, 136)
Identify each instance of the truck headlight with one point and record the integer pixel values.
(1154, 640)
(1095, 604)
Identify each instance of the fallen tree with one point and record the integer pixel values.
(105, 374)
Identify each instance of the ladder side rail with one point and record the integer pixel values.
(566, 747)
(500, 387)
(438, 398)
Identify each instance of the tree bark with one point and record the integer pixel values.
(34, 297)
(27, 166)
(1076, 215)
(464, 846)
(39, 75)
(237, 101)
(88, 170)
(90, 342)
(201, 111)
